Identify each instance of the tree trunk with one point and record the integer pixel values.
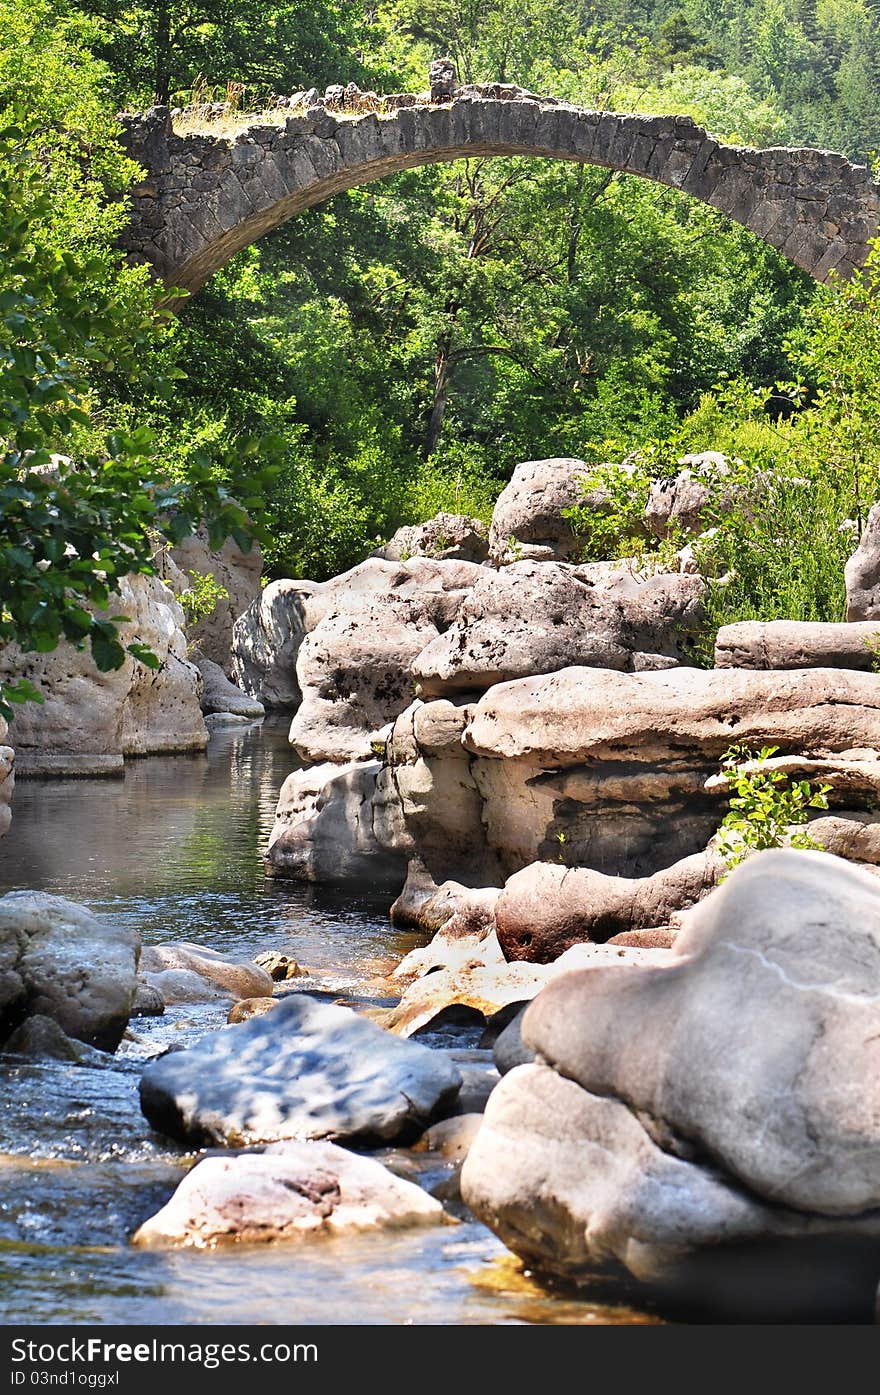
(442, 375)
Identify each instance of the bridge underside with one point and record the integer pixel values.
(206, 197)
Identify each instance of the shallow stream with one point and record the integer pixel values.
(174, 850)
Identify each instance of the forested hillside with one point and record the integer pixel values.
(397, 350)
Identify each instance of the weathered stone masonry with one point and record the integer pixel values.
(206, 197)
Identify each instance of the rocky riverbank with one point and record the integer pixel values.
(518, 751)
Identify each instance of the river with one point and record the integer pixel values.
(174, 850)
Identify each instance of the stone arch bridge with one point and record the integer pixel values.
(206, 196)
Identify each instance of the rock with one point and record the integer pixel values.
(89, 716)
(528, 522)
(574, 1182)
(454, 950)
(222, 721)
(479, 1077)
(442, 79)
(619, 772)
(485, 989)
(354, 672)
(58, 960)
(237, 572)
(266, 641)
(41, 1039)
(782, 644)
(219, 976)
(440, 586)
(451, 1138)
(546, 908)
(366, 627)
(445, 536)
(427, 806)
(324, 828)
(280, 967)
(219, 695)
(791, 1115)
(657, 937)
(148, 1001)
(537, 617)
(510, 1050)
(7, 781)
(862, 573)
(307, 1070)
(246, 1008)
(680, 504)
(289, 1191)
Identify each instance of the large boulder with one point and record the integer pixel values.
(304, 1070)
(533, 617)
(219, 695)
(446, 536)
(237, 572)
(792, 1114)
(862, 573)
(354, 672)
(58, 960)
(89, 720)
(548, 907)
(365, 630)
(728, 1095)
(287, 1192)
(613, 771)
(776, 644)
(266, 641)
(324, 828)
(529, 522)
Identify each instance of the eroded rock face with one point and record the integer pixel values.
(324, 828)
(781, 644)
(365, 629)
(666, 1117)
(192, 973)
(862, 573)
(287, 1192)
(58, 960)
(538, 617)
(304, 1070)
(427, 804)
(446, 536)
(91, 720)
(618, 764)
(266, 641)
(237, 572)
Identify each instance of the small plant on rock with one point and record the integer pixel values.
(764, 805)
(202, 596)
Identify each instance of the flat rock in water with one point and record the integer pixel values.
(306, 1070)
(289, 1191)
(189, 973)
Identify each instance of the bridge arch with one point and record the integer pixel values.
(206, 197)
